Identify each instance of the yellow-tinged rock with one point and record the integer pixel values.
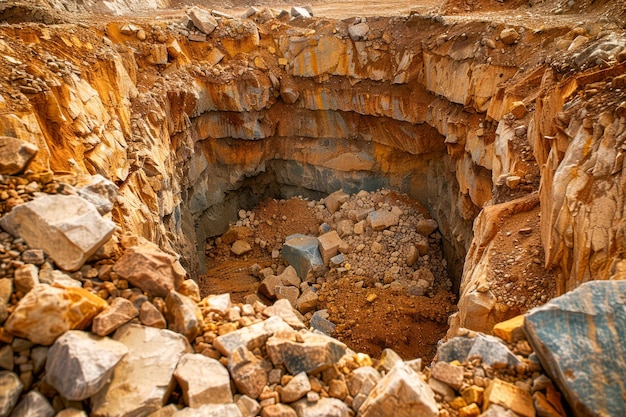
(259, 63)
(371, 297)
(458, 403)
(471, 410)
(510, 330)
(509, 396)
(282, 61)
(47, 312)
(473, 394)
(363, 359)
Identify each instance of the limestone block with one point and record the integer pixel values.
(26, 277)
(218, 303)
(149, 268)
(144, 377)
(362, 380)
(284, 309)
(441, 388)
(518, 110)
(509, 396)
(268, 286)
(315, 353)
(47, 312)
(334, 201)
(579, 339)
(358, 31)
(290, 277)
(15, 155)
(120, 312)
(400, 393)
(248, 406)
(388, 359)
(89, 359)
(10, 390)
(247, 371)
(510, 330)
(329, 245)
(183, 315)
(320, 322)
(33, 405)
(382, 219)
(167, 411)
(426, 227)
(6, 290)
(150, 316)
(302, 253)
(240, 247)
(449, 374)
(203, 380)
(307, 301)
(210, 410)
(300, 12)
(295, 389)
(100, 192)
(202, 19)
(66, 227)
(251, 337)
(278, 410)
(324, 407)
(509, 35)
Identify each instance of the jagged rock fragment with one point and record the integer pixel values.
(203, 380)
(15, 155)
(316, 352)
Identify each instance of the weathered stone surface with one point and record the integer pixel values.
(334, 200)
(190, 288)
(144, 377)
(290, 277)
(509, 35)
(268, 286)
(6, 358)
(71, 412)
(167, 411)
(315, 353)
(510, 330)
(210, 410)
(518, 110)
(388, 359)
(295, 389)
(248, 372)
(320, 322)
(10, 390)
(6, 290)
(218, 303)
(203, 380)
(89, 359)
(307, 301)
(449, 374)
(149, 268)
(100, 192)
(251, 337)
(248, 406)
(329, 245)
(26, 277)
(240, 247)
(202, 19)
(46, 312)
(382, 219)
(324, 407)
(120, 312)
(33, 405)
(363, 380)
(426, 227)
(400, 393)
(15, 155)
(578, 338)
(358, 31)
(284, 310)
(509, 396)
(297, 11)
(149, 315)
(302, 253)
(66, 227)
(183, 315)
(288, 293)
(278, 410)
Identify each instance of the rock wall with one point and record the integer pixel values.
(447, 112)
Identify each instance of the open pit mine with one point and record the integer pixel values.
(343, 209)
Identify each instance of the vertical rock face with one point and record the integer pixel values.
(579, 339)
(144, 377)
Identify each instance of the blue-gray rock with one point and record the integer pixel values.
(337, 260)
(320, 322)
(10, 389)
(302, 252)
(579, 339)
(33, 405)
(490, 349)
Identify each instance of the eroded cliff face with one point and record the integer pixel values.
(458, 114)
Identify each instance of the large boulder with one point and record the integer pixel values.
(149, 268)
(400, 393)
(251, 337)
(46, 312)
(143, 379)
(203, 380)
(66, 227)
(302, 252)
(89, 359)
(579, 339)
